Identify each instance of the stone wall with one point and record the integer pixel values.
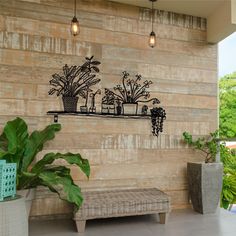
(35, 42)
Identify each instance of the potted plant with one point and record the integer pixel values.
(84, 108)
(75, 81)
(204, 178)
(20, 147)
(108, 102)
(131, 92)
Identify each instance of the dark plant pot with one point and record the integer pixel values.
(205, 185)
(118, 110)
(70, 104)
(130, 108)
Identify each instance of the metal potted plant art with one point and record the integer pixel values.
(92, 108)
(108, 102)
(130, 93)
(75, 81)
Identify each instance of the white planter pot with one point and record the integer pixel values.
(130, 108)
(29, 196)
(13, 218)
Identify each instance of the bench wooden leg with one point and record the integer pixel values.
(163, 218)
(80, 224)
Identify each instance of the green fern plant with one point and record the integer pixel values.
(20, 147)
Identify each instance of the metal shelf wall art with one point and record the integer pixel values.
(123, 101)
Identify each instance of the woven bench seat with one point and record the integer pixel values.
(118, 203)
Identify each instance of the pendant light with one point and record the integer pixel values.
(152, 37)
(75, 23)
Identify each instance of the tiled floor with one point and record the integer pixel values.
(181, 223)
(233, 209)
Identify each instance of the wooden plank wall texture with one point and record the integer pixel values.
(35, 42)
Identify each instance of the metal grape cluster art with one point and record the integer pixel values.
(124, 99)
(158, 115)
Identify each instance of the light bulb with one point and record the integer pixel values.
(75, 26)
(152, 39)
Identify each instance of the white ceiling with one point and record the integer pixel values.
(202, 8)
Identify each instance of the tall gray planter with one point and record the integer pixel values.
(205, 185)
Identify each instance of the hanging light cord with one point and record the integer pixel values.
(75, 9)
(152, 14)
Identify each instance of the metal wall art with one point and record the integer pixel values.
(75, 82)
(129, 93)
(108, 103)
(92, 108)
(158, 115)
(128, 99)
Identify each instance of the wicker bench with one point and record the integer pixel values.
(117, 203)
